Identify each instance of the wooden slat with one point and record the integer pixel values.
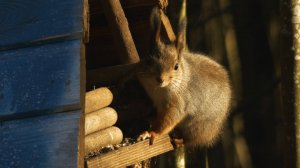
(129, 155)
(25, 21)
(46, 141)
(40, 78)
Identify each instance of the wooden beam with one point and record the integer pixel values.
(121, 33)
(129, 155)
(86, 21)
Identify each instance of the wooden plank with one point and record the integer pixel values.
(86, 21)
(25, 21)
(129, 155)
(40, 78)
(46, 141)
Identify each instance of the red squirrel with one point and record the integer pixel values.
(190, 91)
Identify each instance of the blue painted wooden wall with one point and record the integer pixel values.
(40, 83)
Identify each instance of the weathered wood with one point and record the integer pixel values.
(97, 99)
(86, 21)
(82, 104)
(108, 136)
(38, 80)
(100, 119)
(121, 33)
(45, 141)
(23, 22)
(129, 155)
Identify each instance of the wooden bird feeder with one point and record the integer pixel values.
(117, 39)
(49, 59)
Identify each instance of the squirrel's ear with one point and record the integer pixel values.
(155, 22)
(181, 35)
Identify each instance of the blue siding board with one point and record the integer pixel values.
(40, 78)
(40, 142)
(24, 21)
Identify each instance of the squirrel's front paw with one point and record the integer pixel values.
(147, 135)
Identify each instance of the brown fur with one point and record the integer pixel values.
(194, 99)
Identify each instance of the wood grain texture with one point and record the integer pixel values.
(46, 141)
(108, 136)
(129, 155)
(26, 21)
(100, 119)
(82, 105)
(97, 99)
(40, 78)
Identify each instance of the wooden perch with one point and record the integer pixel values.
(100, 119)
(129, 155)
(121, 34)
(96, 140)
(97, 99)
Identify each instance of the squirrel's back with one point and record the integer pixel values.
(207, 98)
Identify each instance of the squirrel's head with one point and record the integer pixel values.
(165, 56)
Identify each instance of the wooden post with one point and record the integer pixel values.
(121, 34)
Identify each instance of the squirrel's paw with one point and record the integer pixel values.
(147, 135)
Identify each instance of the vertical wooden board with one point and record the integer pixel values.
(46, 141)
(24, 21)
(40, 78)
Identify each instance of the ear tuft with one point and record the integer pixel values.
(155, 22)
(181, 35)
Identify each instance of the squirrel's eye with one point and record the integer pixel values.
(176, 66)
